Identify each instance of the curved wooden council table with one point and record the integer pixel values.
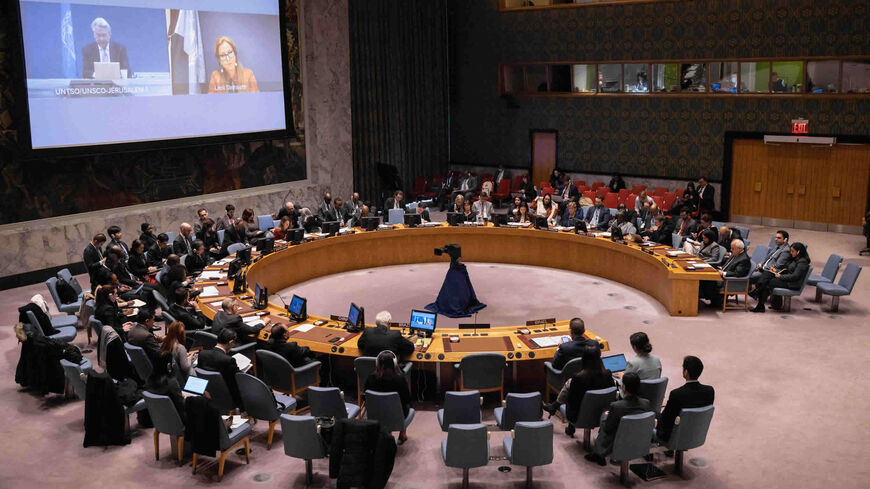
(669, 280)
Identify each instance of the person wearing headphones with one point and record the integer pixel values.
(381, 337)
(389, 378)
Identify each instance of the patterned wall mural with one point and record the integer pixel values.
(46, 187)
(676, 137)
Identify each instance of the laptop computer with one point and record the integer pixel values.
(107, 71)
(614, 363)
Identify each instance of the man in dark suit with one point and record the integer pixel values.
(290, 211)
(598, 216)
(196, 261)
(116, 238)
(226, 221)
(692, 394)
(736, 266)
(93, 258)
(424, 212)
(141, 335)
(705, 196)
(102, 50)
(381, 337)
(777, 257)
(572, 349)
(218, 359)
(685, 225)
(183, 244)
(291, 351)
(158, 253)
(397, 201)
(662, 230)
(234, 234)
(182, 310)
(228, 317)
(628, 405)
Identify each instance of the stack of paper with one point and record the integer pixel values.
(304, 327)
(138, 303)
(210, 291)
(547, 341)
(236, 421)
(253, 321)
(243, 362)
(677, 253)
(212, 275)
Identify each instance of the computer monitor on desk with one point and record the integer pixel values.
(261, 296)
(413, 220)
(330, 227)
(423, 322)
(298, 308)
(295, 236)
(355, 318)
(370, 223)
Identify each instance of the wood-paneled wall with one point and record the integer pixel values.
(800, 182)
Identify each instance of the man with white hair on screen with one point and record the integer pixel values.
(102, 50)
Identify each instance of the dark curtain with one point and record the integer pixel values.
(399, 89)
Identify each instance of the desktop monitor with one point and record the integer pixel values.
(261, 296)
(266, 245)
(423, 322)
(499, 220)
(454, 218)
(298, 308)
(244, 254)
(258, 292)
(370, 223)
(541, 222)
(330, 227)
(413, 220)
(295, 236)
(355, 318)
(614, 363)
(579, 226)
(235, 269)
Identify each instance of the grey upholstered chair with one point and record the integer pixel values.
(261, 403)
(201, 338)
(531, 445)
(843, 287)
(772, 242)
(736, 286)
(690, 432)
(88, 311)
(365, 366)
(235, 248)
(329, 402)
(556, 378)
(70, 308)
(228, 440)
(518, 407)
(633, 440)
(217, 389)
(73, 375)
(829, 273)
(466, 447)
(302, 440)
(140, 361)
(220, 235)
(787, 294)
(161, 301)
(653, 390)
(283, 377)
(676, 240)
(758, 255)
(128, 410)
(96, 326)
(171, 235)
(68, 277)
(65, 333)
(483, 372)
(459, 408)
(589, 417)
(166, 419)
(386, 408)
(265, 222)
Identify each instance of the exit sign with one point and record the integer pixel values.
(800, 126)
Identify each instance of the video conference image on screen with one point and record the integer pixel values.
(115, 72)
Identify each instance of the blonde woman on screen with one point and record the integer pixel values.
(232, 77)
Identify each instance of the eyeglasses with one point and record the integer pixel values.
(227, 56)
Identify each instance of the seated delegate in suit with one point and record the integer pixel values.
(592, 376)
(643, 200)
(234, 234)
(625, 226)
(514, 207)
(726, 234)
(567, 190)
(163, 383)
(570, 215)
(693, 243)
(598, 216)
(232, 77)
(209, 238)
(397, 201)
(289, 210)
(226, 221)
(468, 214)
(710, 251)
(424, 212)
(102, 50)
(228, 317)
(483, 207)
(137, 263)
(183, 244)
(628, 405)
(458, 204)
(148, 238)
(251, 226)
(736, 266)
(545, 207)
(141, 335)
(570, 350)
(661, 231)
(523, 214)
(196, 261)
(218, 359)
(381, 337)
(777, 257)
(186, 312)
(389, 378)
(616, 183)
(685, 225)
(280, 231)
(792, 277)
(528, 189)
(107, 311)
(290, 350)
(692, 394)
(158, 253)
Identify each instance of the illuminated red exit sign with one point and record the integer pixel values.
(800, 126)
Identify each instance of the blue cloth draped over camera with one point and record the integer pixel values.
(456, 298)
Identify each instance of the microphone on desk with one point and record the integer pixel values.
(282, 302)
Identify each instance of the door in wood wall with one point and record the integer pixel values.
(544, 145)
(799, 185)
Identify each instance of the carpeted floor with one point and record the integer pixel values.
(790, 388)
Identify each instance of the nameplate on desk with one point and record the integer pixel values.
(333, 317)
(400, 325)
(535, 322)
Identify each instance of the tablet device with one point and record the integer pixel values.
(195, 385)
(614, 363)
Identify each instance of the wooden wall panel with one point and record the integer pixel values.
(846, 196)
(748, 177)
(811, 176)
(779, 196)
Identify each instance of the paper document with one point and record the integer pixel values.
(547, 341)
(210, 291)
(243, 362)
(216, 303)
(702, 265)
(236, 422)
(304, 327)
(212, 275)
(253, 320)
(134, 312)
(138, 303)
(676, 253)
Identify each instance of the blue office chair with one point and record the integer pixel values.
(459, 408)
(594, 403)
(65, 333)
(829, 273)
(633, 440)
(140, 360)
(166, 420)
(265, 222)
(787, 294)
(843, 287)
(70, 308)
(653, 390)
(531, 445)
(466, 447)
(328, 402)
(518, 407)
(263, 404)
(689, 433)
(228, 440)
(303, 441)
(386, 408)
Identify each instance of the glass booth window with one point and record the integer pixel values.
(666, 77)
(755, 77)
(636, 78)
(723, 77)
(560, 78)
(822, 76)
(856, 76)
(536, 78)
(609, 78)
(787, 76)
(583, 77)
(513, 78)
(693, 77)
